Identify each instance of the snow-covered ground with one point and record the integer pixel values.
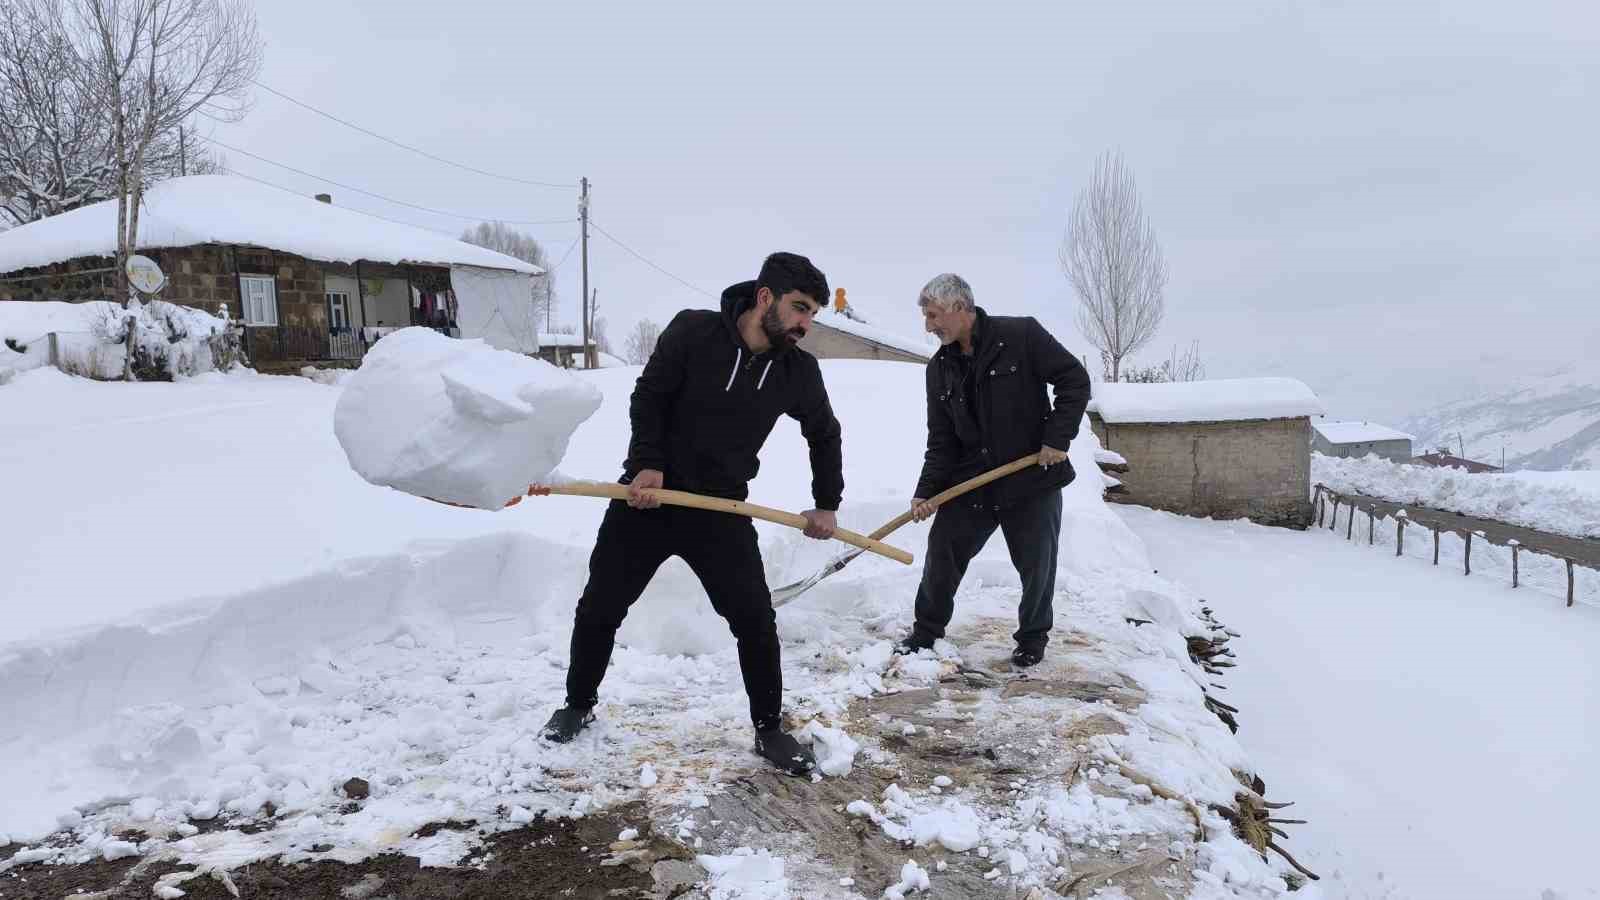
(205, 611)
(1560, 502)
(1441, 733)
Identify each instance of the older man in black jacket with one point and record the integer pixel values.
(987, 405)
(700, 416)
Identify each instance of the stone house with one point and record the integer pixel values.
(1358, 439)
(312, 283)
(1229, 449)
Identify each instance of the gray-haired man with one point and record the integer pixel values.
(987, 405)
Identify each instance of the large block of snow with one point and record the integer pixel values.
(457, 420)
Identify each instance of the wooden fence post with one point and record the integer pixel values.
(1468, 559)
(1322, 506)
(1400, 537)
(1515, 547)
(1570, 594)
(55, 351)
(1372, 526)
(1350, 526)
(1335, 522)
(1436, 546)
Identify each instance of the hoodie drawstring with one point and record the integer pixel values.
(738, 357)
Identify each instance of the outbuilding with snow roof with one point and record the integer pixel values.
(1228, 449)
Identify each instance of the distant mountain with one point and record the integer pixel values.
(1546, 423)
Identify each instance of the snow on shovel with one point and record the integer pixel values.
(459, 422)
(790, 591)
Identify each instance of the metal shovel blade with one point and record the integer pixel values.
(790, 591)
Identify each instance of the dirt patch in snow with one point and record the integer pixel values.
(577, 858)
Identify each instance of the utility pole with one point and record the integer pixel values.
(583, 235)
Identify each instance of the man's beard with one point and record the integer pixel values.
(782, 339)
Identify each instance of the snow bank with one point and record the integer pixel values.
(91, 337)
(1564, 503)
(256, 671)
(1224, 400)
(457, 420)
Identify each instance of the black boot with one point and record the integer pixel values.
(911, 644)
(780, 748)
(1027, 657)
(566, 722)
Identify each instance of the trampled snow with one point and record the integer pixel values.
(282, 626)
(457, 420)
(1222, 400)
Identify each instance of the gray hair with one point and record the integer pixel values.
(948, 291)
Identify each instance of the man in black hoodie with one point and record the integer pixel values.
(700, 416)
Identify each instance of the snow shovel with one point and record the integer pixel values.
(616, 491)
(790, 591)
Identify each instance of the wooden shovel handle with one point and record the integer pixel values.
(720, 504)
(945, 496)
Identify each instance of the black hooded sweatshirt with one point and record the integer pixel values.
(704, 405)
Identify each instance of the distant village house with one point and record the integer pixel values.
(311, 282)
(1358, 439)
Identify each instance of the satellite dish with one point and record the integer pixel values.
(144, 274)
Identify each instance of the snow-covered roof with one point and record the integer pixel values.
(222, 209)
(551, 339)
(1358, 432)
(831, 318)
(1223, 400)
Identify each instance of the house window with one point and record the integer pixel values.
(338, 310)
(260, 299)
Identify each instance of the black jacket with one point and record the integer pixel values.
(704, 405)
(1013, 359)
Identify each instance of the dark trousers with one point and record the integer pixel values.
(722, 551)
(1032, 531)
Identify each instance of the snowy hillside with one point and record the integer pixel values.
(209, 619)
(1546, 423)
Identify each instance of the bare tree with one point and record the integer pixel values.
(54, 152)
(498, 237)
(55, 141)
(1114, 262)
(1185, 367)
(641, 342)
(151, 66)
(599, 337)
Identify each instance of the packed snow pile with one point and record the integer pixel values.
(91, 338)
(1546, 501)
(457, 420)
(419, 650)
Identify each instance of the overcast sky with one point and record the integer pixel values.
(1394, 201)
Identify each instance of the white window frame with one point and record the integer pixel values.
(343, 308)
(267, 315)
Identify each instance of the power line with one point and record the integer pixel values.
(564, 256)
(370, 215)
(348, 187)
(639, 257)
(420, 152)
